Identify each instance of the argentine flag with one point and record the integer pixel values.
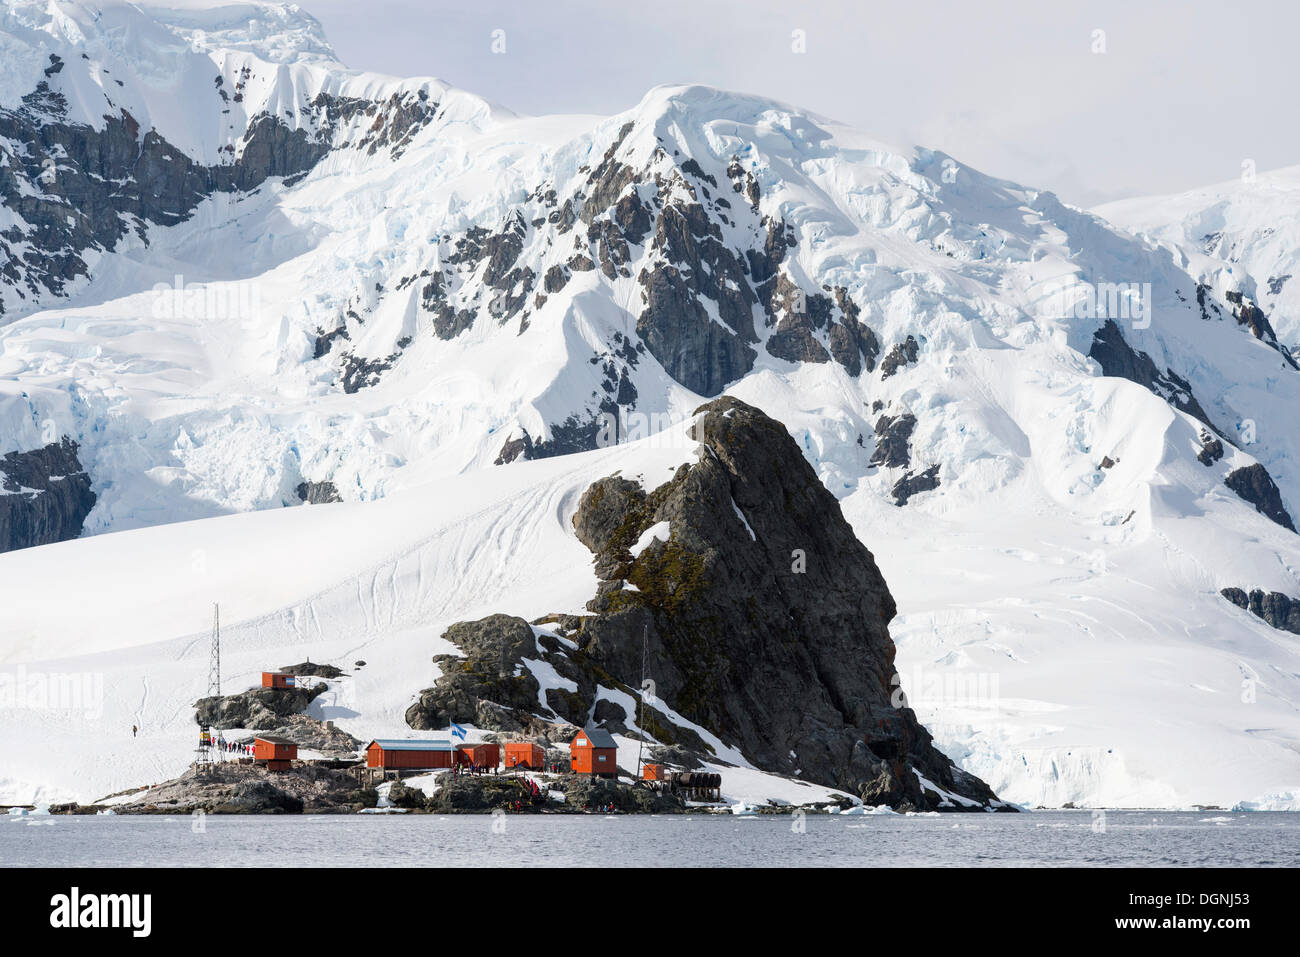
(458, 731)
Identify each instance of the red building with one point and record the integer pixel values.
(274, 679)
(482, 755)
(594, 751)
(525, 754)
(274, 753)
(409, 754)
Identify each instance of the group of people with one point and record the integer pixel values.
(472, 769)
(231, 747)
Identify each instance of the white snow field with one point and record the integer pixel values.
(1060, 626)
(1242, 234)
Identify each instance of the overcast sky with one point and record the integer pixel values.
(1183, 93)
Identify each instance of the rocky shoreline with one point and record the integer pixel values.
(315, 788)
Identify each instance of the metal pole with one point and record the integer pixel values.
(640, 703)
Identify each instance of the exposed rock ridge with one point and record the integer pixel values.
(45, 496)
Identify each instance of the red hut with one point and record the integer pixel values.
(409, 754)
(525, 754)
(482, 755)
(274, 753)
(594, 751)
(274, 679)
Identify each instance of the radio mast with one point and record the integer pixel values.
(214, 655)
(205, 757)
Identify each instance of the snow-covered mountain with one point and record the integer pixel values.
(1240, 236)
(239, 276)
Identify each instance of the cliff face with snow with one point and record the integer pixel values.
(240, 277)
(1239, 237)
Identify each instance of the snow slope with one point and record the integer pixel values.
(1244, 230)
(1060, 626)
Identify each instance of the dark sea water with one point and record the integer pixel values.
(1049, 838)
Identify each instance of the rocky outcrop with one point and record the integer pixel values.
(488, 673)
(903, 354)
(913, 483)
(1248, 314)
(313, 669)
(893, 441)
(258, 708)
(45, 496)
(1279, 610)
(763, 618)
(759, 596)
(1117, 358)
(515, 446)
(233, 788)
(583, 793)
(677, 329)
(1253, 484)
(315, 735)
(317, 493)
(476, 794)
(1211, 449)
(257, 797)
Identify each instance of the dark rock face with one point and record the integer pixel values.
(325, 340)
(121, 177)
(914, 483)
(317, 735)
(700, 293)
(313, 669)
(1248, 314)
(469, 794)
(1253, 484)
(893, 441)
(494, 647)
(317, 493)
(578, 433)
(1279, 610)
(740, 628)
(590, 793)
(232, 788)
(514, 448)
(797, 322)
(692, 348)
(45, 496)
(258, 708)
(1117, 358)
(258, 797)
(769, 630)
(1211, 449)
(904, 353)
(852, 343)
(362, 373)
